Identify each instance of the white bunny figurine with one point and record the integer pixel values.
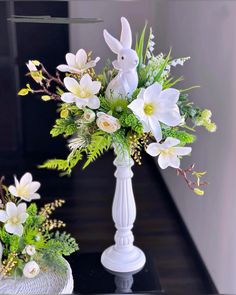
(126, 80)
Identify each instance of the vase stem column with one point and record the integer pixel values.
(123, 256)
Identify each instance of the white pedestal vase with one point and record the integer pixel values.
(123, 256)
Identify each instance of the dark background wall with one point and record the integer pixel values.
(25, 121)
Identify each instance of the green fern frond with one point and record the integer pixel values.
(100, 142)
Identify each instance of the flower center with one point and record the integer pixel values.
(14, 220)
(168, 152)
(22, 191)
(149, 109)
(83, 92)
(106, 124)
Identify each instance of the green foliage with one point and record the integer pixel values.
(188, 109)
(162, 68)
(121, 143)
(171, 82)
(11, 242)
(129, 120)
(63, 243)
(183, 136)
(139, 47)
(115, 106)
(65, 126)
(100, 142)
(32, 209)
(64, 165)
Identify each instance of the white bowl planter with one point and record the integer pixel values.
(49, 282)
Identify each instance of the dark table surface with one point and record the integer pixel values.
(90, 277)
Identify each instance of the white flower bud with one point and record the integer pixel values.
(31, 269)
(30, 250)
(89, 116)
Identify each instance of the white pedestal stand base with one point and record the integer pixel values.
(123, 256)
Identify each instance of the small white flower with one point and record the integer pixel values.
(107, 123)
(82, 93)
(88, 116)
(14, 217)
(153, 106)
(30, 250)
(34, 72)
(77, 63)
(168, 152)
(31, 269)
(26, 188)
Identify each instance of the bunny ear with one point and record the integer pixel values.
(112, 42)
(126, 34)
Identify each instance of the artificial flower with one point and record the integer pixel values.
(30, 250)
(26, 188)
(88, 116)
(82, 93)
(107, 123)
(14, 217)
(31, 269)
(168, 152)
(34, 72)
(154, 105)
(77, 63)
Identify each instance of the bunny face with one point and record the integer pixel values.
(127, 59)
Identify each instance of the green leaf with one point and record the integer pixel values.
(100, 142)
(162, 68)
(139, 47)
(23, 92)
(66, 126)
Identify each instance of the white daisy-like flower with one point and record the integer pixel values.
(154, 105)
(26, 188)
(82, 93)
(14, 217)
(31, 269)
(168, 152)
(29, 249)
(77, 63)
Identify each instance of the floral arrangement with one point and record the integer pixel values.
(28, 240)
(133, 106)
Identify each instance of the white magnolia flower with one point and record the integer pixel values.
(31, 269)
(107, 123)
(77, 63)
(168, 152)
(14, 217)
(82, 93)
(26, 188)
(153, 106)
(34, 72)
(30, 250)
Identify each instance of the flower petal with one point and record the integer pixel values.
(141, 94)
(70, 59)
(137, 106)
(155, 127)
(21, 208)
(152, 92)
(183, 151)
(169, 96)
(86, 81)
(12, 190)
(23, 217)
(11, 209)
(63, 68)
(163, 161)
(153, 149)
(170, 141)
(16, 229)
(71, 84)
(26, 178)
(81, 58)
(3, 216)
(93, 102)
(34, 186)
(174, 162)
(81, 102)
(35, 196)
(95, 87)
(170, 117)
(68, 97)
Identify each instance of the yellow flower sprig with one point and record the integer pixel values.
(49, 208)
